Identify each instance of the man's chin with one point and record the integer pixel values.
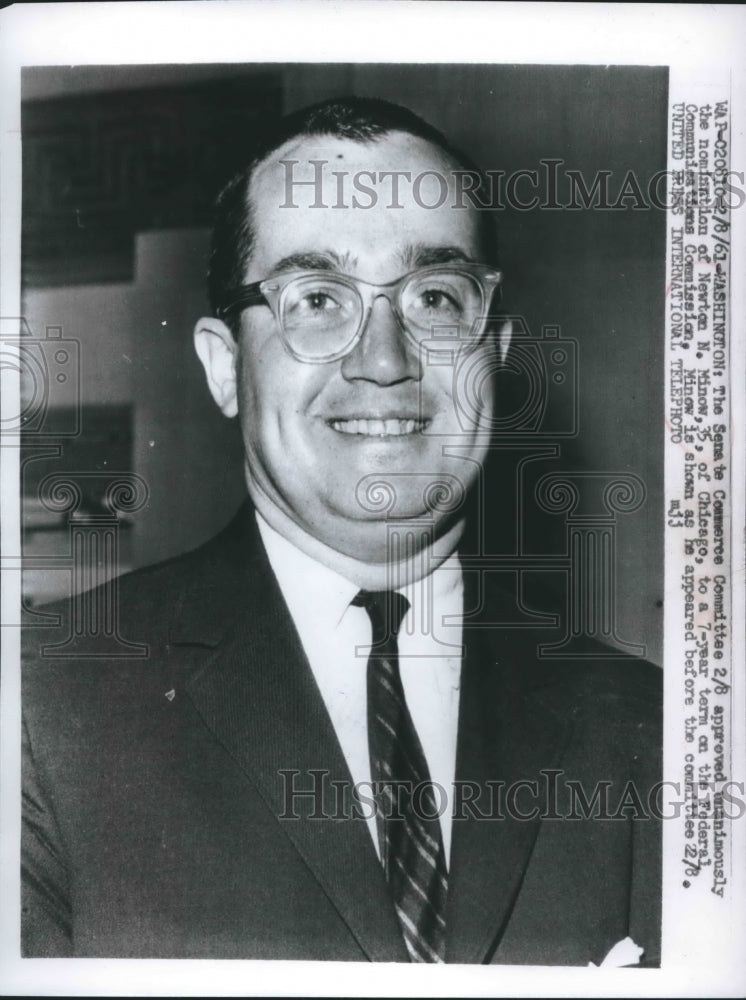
(359, 542)
(385, 498)
(378, 502)
(407, 547)
(381, 542)
(379, 519)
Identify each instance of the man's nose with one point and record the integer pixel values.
(384, 354)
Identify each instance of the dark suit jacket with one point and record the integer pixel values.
(153, 792)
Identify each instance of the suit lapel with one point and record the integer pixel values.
(506, 735)
(253, 687)
(250, 681)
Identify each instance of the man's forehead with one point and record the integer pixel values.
(393, 150)
(328, 202)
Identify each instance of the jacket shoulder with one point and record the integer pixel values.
(146, 599)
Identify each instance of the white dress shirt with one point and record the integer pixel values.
(336, 637)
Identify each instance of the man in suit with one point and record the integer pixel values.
(333, 750)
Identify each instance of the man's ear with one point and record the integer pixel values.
(504, 334)
(217, 349)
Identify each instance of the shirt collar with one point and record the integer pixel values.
(321, 594)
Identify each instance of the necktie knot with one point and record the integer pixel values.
(386, 610)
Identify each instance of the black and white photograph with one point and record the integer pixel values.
(369, 477)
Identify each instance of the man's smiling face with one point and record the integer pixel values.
(312, 432)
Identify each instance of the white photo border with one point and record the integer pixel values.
(696, 43)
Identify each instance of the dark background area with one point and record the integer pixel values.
(120, 168)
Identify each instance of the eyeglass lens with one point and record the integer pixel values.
(321, 314)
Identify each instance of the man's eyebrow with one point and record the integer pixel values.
(421, 255)
(325, 260)
(413, 256)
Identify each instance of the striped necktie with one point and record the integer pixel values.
(409, 832)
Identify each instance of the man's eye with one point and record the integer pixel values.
(436, 298)
(318, 302)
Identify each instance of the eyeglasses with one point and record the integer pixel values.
(321, 315)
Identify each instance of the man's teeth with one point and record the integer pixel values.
(379, 428)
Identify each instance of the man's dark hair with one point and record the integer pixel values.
(358, 118)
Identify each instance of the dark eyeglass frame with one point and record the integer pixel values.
(269, 292)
